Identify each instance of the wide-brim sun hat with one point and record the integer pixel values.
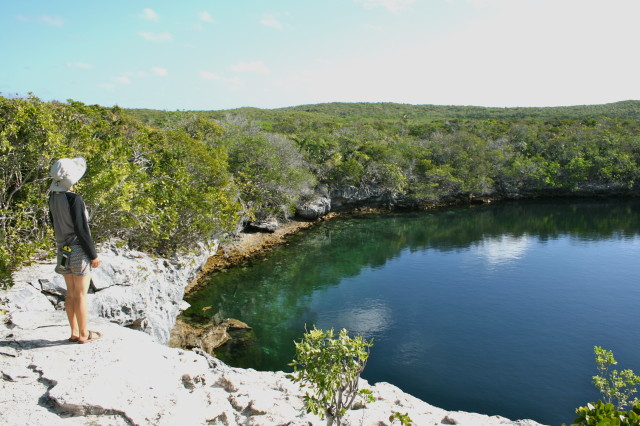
(66, 172)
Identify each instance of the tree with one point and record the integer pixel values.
(270, 172)
(331, 366)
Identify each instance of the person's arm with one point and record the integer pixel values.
(50, 217)
(81, 226)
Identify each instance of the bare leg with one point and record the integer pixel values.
(69, 306)
(80, 289)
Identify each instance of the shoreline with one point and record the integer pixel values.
(246, 246)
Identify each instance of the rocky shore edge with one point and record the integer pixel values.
(131, 377)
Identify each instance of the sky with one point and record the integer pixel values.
(217, 54)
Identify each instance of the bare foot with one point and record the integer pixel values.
(93, 335)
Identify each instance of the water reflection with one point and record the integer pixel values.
(370, 319)
(503, 249)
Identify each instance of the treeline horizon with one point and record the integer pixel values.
(163, 181)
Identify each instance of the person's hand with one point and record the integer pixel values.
(96, 262)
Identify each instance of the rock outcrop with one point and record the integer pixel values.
(351, 196)
(208, 337)
(268, 225)
(130, 288)
(125, 378)
(314, 209)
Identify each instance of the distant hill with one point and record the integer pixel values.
(386, 111)
(625, 109)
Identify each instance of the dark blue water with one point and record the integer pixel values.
(493, 309)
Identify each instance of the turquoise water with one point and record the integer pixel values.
(493, 309)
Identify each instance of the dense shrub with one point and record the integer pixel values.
(160, 190)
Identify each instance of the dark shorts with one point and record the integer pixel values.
(78, 264)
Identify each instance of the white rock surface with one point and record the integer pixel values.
(125, 378)
(130, 288)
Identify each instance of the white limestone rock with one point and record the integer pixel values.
(23, 296)
(130, 288)
(126, 378)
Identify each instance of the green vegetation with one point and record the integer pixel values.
(615, 387)
(403, 419)
(162, 181)
(160, 190)
(331, 366)
(605, 414)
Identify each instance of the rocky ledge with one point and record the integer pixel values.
(125, 378)
(131, 288)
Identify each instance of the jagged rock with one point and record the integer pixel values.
(314, 209)
(130, 288)
(23, 295)
(207, 337)
(268, 225)
(55, 286)
(347, 196)
(448, 421)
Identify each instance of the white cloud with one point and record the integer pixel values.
(162, 72)
(51, 20)
(391, 5)
(206, 17)
(108, 86)
(206, 75)
(122, 80)
(156, 37)
(257, 67)
(80, 65)
(150, 15)
(54, 21)
(234, 81)
(270, 20)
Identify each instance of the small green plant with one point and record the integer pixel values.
(615, 386)
(404, 419)
(605, 414)
(331, 366)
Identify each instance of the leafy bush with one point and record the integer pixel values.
(605, 414)
(331, 366)
(159, 190)
(404, 419)
(614, 386)
(270, 172)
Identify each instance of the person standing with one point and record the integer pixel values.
(76, 252)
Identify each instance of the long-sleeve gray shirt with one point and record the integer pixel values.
(71, 221)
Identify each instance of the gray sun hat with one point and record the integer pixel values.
(66, 172)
